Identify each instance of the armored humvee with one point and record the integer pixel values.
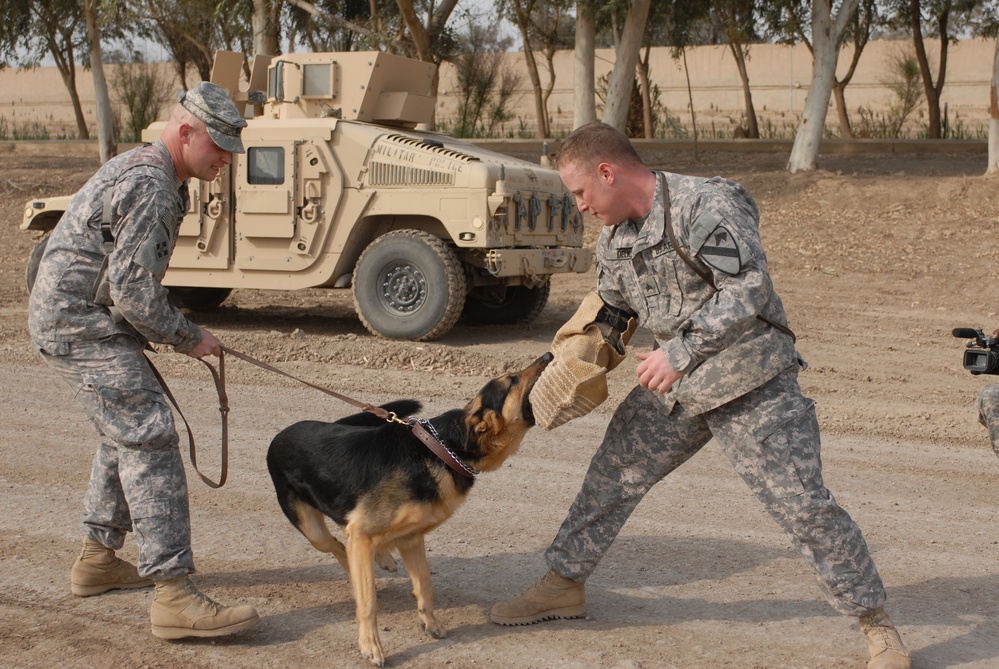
(338, 189)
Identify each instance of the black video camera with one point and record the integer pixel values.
(982, 355)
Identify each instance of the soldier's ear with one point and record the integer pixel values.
(184, 132)
(605, 172)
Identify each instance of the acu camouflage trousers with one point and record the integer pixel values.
(137, 481)
(771, 436)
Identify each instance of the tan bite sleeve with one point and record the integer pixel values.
(575, 383)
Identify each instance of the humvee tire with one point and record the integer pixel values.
(33, 260)
(505, 305)
(409, 284)
(198, 299)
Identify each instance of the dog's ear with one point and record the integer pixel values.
(491, 423)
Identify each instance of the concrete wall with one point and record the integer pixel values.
(779, 77)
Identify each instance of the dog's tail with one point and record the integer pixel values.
(401, 408)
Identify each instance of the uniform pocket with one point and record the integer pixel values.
(789, 446)
(132, 416)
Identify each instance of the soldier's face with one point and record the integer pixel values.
(205, 158)
(594, 191)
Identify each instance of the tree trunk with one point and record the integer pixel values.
(105, 127)
(541, 117)
(753, 131)
(265, 28)
(931, 90)
(643, 81)
(993, 167)
(67, 70)
(623, 75)
(827, 35)
(585, 95)
(839, 94)
(690, 98)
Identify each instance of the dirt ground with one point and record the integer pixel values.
(877, 259)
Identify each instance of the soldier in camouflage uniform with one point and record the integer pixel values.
(96, 303)
(725, 367)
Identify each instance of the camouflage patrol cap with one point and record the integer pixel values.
(212, 106)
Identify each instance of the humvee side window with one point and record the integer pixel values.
(265, 165)
(317, 80)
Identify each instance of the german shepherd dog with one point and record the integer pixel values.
(386, 489)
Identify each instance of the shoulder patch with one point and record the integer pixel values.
(722, 251)
(712, 241)
(154, 254)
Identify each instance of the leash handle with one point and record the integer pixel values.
(219, 378)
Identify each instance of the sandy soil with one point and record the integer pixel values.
(876, 258)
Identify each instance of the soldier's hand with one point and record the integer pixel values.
(208, 345)
(655, 371)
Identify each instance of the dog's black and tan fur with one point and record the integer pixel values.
(386, 489)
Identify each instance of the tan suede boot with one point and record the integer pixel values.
(883, 642)
(98, 570)
(181, 610)
(554, 596)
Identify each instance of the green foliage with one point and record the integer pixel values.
(485, 85)
(30, 131)
(142, 89)
(905, 83)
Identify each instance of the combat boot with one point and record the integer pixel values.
(883, 642)
(181, 610)
(98, 570)
(554, 596)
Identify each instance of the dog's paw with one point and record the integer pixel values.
(386, 561)
(373, 652)
(432, 627)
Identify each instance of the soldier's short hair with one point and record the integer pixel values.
(592, 143)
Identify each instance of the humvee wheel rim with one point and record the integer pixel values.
(404, 288)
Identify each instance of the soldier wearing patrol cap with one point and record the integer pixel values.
(97, 301)
(682, 256)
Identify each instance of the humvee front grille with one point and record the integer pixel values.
(386, 174)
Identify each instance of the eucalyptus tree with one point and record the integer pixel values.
(106, 142)
(584, 59)
(192, 31)
(622, 76)
(944, 19)
(828, 28)
(346, 25)
(789, 21)
(993, 166)
(543, 27)
(737, 22)
(34, 29)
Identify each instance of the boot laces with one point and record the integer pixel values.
(881, 633)
(205, 599)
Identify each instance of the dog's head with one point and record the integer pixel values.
(500, 415)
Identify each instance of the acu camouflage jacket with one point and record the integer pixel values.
(148, 202)
(713, 337)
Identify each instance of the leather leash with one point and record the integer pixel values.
(431, 442)
(218, 376)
